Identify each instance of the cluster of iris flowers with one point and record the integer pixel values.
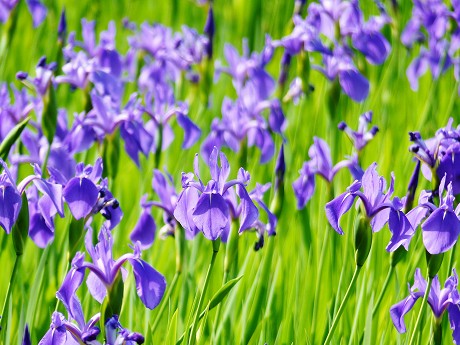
(333, 38)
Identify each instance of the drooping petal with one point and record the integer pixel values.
(191, 131)
(400, 309)
(354, 84)
(401, 230)
(81, 196)
(10, 204)
(440, 231)
(144, 231)
(150, 284)
(304, 186)
(39, 231)
(54, 191)
(38, 11)
(373, 45)
(454, 320)
(70, 285)
(337, 207)
(211, 215)
(249, 211)
(184, 209)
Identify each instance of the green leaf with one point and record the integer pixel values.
(11, 138)
(50, 114)
(172, 330)
(223, 292)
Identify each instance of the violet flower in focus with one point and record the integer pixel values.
(205, 208)
(378, 207)
(150, 284)
(439, 300)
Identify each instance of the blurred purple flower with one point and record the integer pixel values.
(320, 163)
(362, 136)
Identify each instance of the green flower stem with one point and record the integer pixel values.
(437, 331)
(215, 250)
(342, 305)
(422, 309)
(165, 302)
(9, 290)
(382, 292)
(159, 147)
(318, 277)
(452, 258)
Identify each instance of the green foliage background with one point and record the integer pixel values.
(297, 278)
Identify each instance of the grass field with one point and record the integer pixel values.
(289, 290)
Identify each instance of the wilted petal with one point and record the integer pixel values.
(440, 231)
(81, 196)
(150, 284)
(211, 215)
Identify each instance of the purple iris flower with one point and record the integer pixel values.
(103, 269)
(43, 77)
(442, 227)
(439, 300)
(145, 228)
(116, 334)
(333, 29)
(87, 194)
(36, 9)
(377, 207)
(320, 163)
(249, 67)
(11, 113)
(144, 231)
(429, 27)
(64, 332)
(362, 136)
(440, 155)
(204, 207)
(161, 106)
(10, 199)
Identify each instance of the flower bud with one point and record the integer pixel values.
(397, 256)
(433, 262)
(21, 227)
(363, 241)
